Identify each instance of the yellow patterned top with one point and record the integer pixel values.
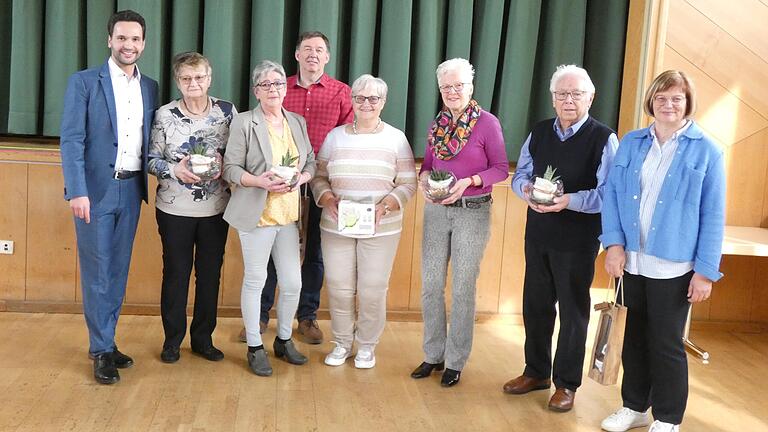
(281, 208)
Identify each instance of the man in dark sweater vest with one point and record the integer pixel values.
(561, 239)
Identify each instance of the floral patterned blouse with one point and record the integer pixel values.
(173, 136)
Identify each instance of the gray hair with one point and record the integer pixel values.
(369, 81)
(572, 70)
(460, 65)
(264, 68)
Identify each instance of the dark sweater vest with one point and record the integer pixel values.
(577, 160)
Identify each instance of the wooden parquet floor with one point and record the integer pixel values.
(46, 384)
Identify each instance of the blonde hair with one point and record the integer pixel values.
(667, 80)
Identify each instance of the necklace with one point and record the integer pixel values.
(354, 127)
(207, 104)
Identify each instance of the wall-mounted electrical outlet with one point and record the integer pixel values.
(6, 247)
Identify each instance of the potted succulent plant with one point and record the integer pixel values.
(203, 162)
(439, 184)
(287, 168)
(545, 188)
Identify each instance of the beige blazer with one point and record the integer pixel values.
(249, 149)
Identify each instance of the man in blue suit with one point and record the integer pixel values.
(108, 113)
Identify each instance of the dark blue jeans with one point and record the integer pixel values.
(312, 272)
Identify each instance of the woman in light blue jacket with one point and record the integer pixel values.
(663, 220)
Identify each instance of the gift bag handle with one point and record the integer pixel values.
(618, 286)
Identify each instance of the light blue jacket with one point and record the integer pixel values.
(689, 217)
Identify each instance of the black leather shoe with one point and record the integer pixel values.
(104, 369)
(425, 369)
(450, 378)
(209, 353)
(122, 361)
(170, 355)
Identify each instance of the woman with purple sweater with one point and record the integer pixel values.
(466, 141)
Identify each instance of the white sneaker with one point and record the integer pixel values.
(625, 419)
(338, 356)
(660, 426)
(365, 358)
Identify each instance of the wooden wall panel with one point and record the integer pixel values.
(418, 228)
(13, 226)
(721, 56)
(145, 276)
(232, 273)
(398, 297)
(487, 299)
(747, 167)
(513, 258)
(744, 20)
(720, 113)
(51, 242)
(732, 297)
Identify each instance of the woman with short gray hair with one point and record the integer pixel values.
(268, 157)
(366, 161)
(464, 142)
(189, 204)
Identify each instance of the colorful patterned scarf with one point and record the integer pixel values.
(446, 139)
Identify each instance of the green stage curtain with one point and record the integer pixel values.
(513, 44)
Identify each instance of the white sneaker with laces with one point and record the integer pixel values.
(625, 419)
(338, 356)
(660, 426)
(365, 359)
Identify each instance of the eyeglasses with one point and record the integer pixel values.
(458, 87)
(187, 80)
(575, 95)
(662, 100)
(373, 100)
(267, 85)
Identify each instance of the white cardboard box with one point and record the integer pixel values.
(356, 218)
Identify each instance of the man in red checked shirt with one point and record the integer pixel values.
(325, 103)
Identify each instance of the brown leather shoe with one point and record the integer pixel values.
(524, 384)
(562, 400)
(310, 332)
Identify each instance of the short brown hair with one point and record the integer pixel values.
(665, 81)
(313, 34)
(190, 59)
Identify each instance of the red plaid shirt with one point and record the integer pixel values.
(325, 105)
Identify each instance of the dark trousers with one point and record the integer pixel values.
(312, 272)
(187, 241)
(561, 277)
(654, 360)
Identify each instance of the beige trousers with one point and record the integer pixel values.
(358, 267)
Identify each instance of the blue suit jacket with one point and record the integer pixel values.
(89, 132)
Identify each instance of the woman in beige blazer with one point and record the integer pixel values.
(264, 207)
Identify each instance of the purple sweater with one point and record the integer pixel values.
(484, 154)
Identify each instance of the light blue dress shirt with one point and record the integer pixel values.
(584, 201)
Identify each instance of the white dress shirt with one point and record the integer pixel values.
(130, 117)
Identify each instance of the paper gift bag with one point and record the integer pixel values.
(609, 340)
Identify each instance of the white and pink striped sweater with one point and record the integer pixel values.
(366, 168)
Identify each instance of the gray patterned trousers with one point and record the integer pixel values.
(459, 235)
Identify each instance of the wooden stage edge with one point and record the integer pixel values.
(323, 314)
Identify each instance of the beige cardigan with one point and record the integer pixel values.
(249, 149)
